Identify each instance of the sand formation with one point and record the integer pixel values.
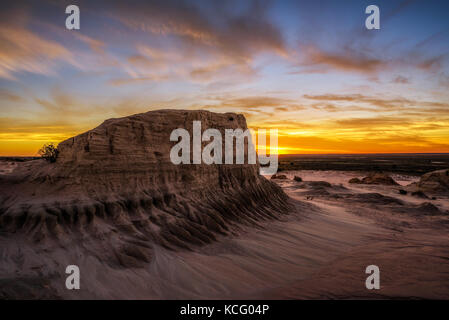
(375, 178)
(434, 182)
(118, 179)
(279, 176)
(137, 225)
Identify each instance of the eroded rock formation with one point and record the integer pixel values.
(435, 182)
(375, 178)
(117, 181)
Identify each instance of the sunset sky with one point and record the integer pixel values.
(308, 68)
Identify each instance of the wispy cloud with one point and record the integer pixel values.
(318, 60)
(10, 96)
(194, 43)
(398, 103)
(401, 80)
(23, 51)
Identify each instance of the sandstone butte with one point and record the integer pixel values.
(116, 185)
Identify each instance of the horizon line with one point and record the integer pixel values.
(297, 154)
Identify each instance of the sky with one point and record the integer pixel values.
(310, 69)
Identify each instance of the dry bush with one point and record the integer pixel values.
(49, 152)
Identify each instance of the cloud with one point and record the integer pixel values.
(393, 104)
(10, 96)
(95, 45)
(359, 98)
(254, 105)
(376, 122)
(23, 51)
(196, 42)
(157, 65)
(237, 33)
(398, 9)
(129, 81)
(318, 60)
(326, 107)
(432, 64)
(401, 80)
(34, 40)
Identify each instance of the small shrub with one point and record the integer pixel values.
(49, 152)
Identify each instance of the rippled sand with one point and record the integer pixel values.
(319, 251)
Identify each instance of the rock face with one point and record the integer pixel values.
(117, 181)
(435, 182)
(375, 178)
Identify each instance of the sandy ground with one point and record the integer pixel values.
(320, 251)
(7, 166)
(342, 177)
(409, 244)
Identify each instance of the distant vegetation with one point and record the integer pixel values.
(49, 152)
(401, 163)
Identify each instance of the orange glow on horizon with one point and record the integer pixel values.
(290, 141)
